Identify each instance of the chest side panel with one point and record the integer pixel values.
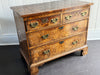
(22, 36)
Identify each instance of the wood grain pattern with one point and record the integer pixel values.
(76, 15)
(84, 51)
(22, 36)
(57, 48)
(34, 70)
(35, 38)
(66, 10)
(28, 10)
(42, 24)
(59, 55)
(46, 33)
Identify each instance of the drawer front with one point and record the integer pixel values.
(39, 23)
(47, 51)
(75, 16)
(45, 36)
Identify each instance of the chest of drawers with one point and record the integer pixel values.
(47, 31)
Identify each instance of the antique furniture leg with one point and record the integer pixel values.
(84, 52)
(34, 70)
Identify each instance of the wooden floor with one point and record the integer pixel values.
(73, 64)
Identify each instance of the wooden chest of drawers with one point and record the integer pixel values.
(50, 30)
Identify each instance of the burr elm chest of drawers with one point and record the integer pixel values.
(51, 30)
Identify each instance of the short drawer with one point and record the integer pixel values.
(47, 51)
(75, 15)
(48, 35)
(42, 22)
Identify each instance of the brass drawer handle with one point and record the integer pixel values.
(75, 42)
(68, 17)
(45, 36)
(46, 52)
(75, 28)
(45, 20)
(54, 20)
(83, 13)
(61, 27)
(33, 25)
(61, 42)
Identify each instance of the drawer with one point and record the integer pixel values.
(75, 15)
(41, 22)
(47, 51)
(48, 35)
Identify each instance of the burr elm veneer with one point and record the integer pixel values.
(51, 30)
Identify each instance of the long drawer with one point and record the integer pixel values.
(50, 50)
(48, 35)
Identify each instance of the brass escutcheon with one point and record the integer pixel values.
(61, 27)
(61, 42)
(45, 20)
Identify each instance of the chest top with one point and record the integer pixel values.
(27, 10)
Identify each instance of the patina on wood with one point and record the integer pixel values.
(50, 30)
